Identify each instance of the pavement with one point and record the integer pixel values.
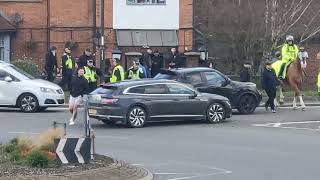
(262, 146)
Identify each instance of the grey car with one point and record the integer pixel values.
(135, 103)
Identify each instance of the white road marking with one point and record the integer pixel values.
(31, 133)
(279, 125)
(199, 176)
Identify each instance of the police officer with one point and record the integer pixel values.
(289, 53)
(135, 72)
(91, 74)
(117, 72)
(67, 68)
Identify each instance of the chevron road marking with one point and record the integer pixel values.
(59, 150)
(77, 150)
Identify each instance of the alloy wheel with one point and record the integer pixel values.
(137, 117)
(215, 113)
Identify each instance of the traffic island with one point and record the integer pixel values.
(35, 159)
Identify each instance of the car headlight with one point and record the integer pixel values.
(47, 90)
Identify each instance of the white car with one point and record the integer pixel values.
(20, 89)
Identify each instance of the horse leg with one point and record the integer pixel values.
(302, 103)
(294, 103)
(281, 100)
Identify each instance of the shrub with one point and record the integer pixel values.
(15, 156)
(38, 159)
(27, 65)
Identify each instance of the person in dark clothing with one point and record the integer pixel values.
(51, 63)
(269, 83)
(68, 65)
(157, 63)
(135, 72)
(83, 59)
(146, 61)
(174, 59)
(79, 89)
(245, 73)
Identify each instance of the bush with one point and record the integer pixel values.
(38, 159)
(27, 65)
(15, 156)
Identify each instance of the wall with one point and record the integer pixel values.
(146, 16)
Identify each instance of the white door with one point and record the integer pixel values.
(8, 90)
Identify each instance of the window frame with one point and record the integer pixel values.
(1, 48)
(146, 4)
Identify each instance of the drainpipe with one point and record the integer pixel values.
(94, 24)
(102, 55)
(48, 25)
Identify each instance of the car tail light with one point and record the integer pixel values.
(109, 101)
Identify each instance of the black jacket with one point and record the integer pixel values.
(244, 75)
(79, 86)
(146, 59)
(51, 62)
(157, 64)
(83, 60)
(269, 80)
(175, 60)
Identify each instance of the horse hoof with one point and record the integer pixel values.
(303, 108)
(295, 108)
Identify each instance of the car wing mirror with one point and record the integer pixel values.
(8, 79)
(193, 95)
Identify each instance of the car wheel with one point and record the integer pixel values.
(136, 117)
(28, 103)
(42, 108)
(247, 104)
(215, 113)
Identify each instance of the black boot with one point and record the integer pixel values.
(281, 71)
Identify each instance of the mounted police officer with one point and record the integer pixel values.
(68, 65)
(118, 73)
(135, 72)
(91, 74)
(289, 53)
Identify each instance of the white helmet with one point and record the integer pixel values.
(289, 38)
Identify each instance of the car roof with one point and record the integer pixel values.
(187, 70)
(127, 83)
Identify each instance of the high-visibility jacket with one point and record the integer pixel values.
(69, 63)
(289, 53)
(318, 82)
(90, 74)
(134, 74)
(114, 78)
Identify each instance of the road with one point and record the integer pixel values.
(263, 146)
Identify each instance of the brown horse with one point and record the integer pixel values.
(294, 79)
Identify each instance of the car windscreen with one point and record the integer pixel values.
(22, 72)
(166, 76)
(105, 90)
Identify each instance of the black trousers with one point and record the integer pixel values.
(271, 96)
(66, 80)
(49, 75)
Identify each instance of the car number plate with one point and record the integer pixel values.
(92, 111)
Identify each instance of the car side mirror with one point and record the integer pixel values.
(193, 95)
(8, 79)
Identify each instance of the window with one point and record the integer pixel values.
(1, 48)
(178, 89)
(193, 78)
(137, 90)
(146, 2)
(3, 75)
(149, 89)
(214, 78)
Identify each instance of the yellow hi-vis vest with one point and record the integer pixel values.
(318, 82)
(69, 64)
(90, 74)
(114, 78)
(133, 75)
(289, 53)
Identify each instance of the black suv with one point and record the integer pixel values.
(243, 96)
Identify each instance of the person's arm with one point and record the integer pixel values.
(128, 74)
(63, 63)
(263, 80)
(99, 72)
(47, 61)
(85, 87)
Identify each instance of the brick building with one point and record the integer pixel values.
(36, 25)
